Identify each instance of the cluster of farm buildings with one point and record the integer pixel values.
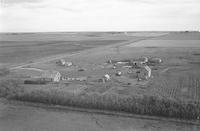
(140, 67)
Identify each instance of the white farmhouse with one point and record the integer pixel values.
(52, 75)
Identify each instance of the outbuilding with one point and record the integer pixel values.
(144, 73)
(68, 64)
(54, 76)
(105, 78)
(143, 59)
(61, 62)
(137, 64)
(155, 60)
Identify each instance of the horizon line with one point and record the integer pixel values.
(99, 31)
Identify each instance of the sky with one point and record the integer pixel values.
(99, 15)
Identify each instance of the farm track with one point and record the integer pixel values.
(35, 69)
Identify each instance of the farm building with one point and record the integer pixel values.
(143, 59)
(137, 64)
(36, 81)
(105, 78)
(155, 60)
(53, 75)
(68, 63)
(61, 62)
(144, 73)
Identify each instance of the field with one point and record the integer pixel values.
(173, 87)
(22, 48)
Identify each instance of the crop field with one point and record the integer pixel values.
(180, 86)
